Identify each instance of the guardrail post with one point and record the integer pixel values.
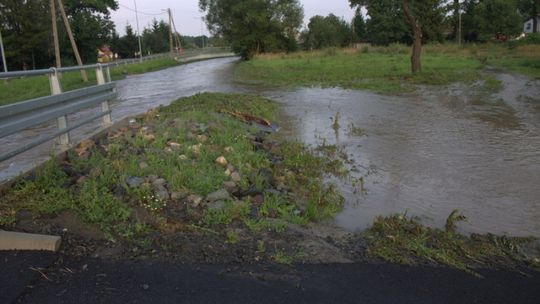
(61, 121)
(108, 69)
(107, 120)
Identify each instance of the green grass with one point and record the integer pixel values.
(385, 69)
(32, 87)
(93, 185)
(402, 239)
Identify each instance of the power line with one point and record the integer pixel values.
(137, 11)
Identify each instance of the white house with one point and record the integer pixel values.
(528, 26)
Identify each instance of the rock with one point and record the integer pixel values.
(182, 157)
(216, 206)
(196, 148)
(235, 176)
(229, 149)
(194, 200)
(149, 137)
(257, 199)
(230, 186)
(168, 150)
(202, 138)
(159, 182)
(174, 145)
(143, 165)
(162, 193)
(177, 195)
(231, 168)
(228, 172)
(134, 182)
(221, 194)
(152, 178)
(222, 161)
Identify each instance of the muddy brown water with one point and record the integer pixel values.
(425, 153)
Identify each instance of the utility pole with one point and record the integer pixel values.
(3, 53)
(72, 40)
(202, 34)
(138, 31)
(55, 35)
(459, 34)
(170, 32)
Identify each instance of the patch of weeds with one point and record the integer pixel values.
(281, 257)
(402, 239)
(355, 131)
(7, 217)
(232, 237)
(491, 84)
(261, 246)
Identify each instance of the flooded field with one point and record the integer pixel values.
(426, 153)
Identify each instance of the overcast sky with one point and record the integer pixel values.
(187, 16)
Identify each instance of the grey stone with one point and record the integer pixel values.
(178, 195)
(216, 206)
(221, 194)
(134, 182)
(160, 182)
(230, 186)
(162, 193)
(235, 176)
(195, 200)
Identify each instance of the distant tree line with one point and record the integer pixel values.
(27, 33)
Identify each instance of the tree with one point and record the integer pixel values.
(128, 44)
(254, 26)
(387, 22)
(483, 19)
(359, 26)
(414, 22)
(530, 9)
(394, 20)
(326, 32)
(26, 33)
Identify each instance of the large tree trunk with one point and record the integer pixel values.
(416, 62)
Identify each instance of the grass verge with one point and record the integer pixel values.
(384, 69)
(191, 165)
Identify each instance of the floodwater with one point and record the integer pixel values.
(426, 153)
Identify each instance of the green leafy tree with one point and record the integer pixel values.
(156, 38)
(329, 31)
(359, 26)
(483, 19)
(26, 33)
(387, 22)
(254, 26)
(128, 44)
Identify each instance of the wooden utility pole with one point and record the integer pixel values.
(72, 40)
(55, 35)
(170, 32)
(4, 63)
(176, 38)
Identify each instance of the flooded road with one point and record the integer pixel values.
(426, 153)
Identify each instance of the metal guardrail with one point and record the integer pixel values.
(31, 113)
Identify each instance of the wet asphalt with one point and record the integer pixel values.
(47, 278)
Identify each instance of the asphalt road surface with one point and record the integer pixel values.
(48, 278)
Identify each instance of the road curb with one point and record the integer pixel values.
(26, 241)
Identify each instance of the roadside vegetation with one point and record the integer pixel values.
(386, 69)
(404, 240)
(195, 166)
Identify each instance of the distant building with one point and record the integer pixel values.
(528, 26)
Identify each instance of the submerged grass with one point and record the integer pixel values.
(402, 239)
(385, 69)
